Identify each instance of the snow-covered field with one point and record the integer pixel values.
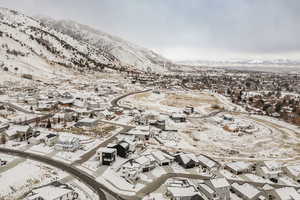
(15, 182)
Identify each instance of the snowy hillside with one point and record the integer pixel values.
(27, 46)
(127, 53)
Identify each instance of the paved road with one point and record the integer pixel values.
(115, 101)
(18, 108)
(92, 152)
(79, 174)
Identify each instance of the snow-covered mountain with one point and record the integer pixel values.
(48, 48)
(128, 54)
(28, 46)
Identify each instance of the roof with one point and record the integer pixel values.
(106, 150)
(159, 155)
(239, 166)
(182, 191)
(88, 120)
(219, 182)
(246, 189)
(266, 170)
(267, 187)
(143, 160)
(206, 161)
(13, 129)
(188, 157)
(124, 144)
(294, 170)
(206, 188)
(272, 164)
(287, 193)
(67, 139)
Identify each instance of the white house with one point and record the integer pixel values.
(286, 193)
(147, 162)
(293, 171)
(131, 170)
(162, 158)
(51, 139)
(206, 162)
(239, 167)
(246, 191)
(221, 187)
(181, 189)
(269, 169)
(67, 143)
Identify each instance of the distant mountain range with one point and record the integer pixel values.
(240, 62)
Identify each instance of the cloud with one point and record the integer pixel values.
(186, 28)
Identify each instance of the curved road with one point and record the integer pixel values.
(115, 101)
(79, 174)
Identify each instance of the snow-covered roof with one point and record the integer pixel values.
(294, 170)
(239, 166)
(267, 187)
(287, 193)
(182, 191)
(187, 157)
(266, 170)
(64, 139)
(206, 188)
(272, 164)
(13, 129)
(88, 120)
(160, 156)
(219, 182)
(143, 160)
(246, 189)
(206, 161)
(106, 150)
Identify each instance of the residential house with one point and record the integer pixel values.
(188, 110)
(161, 124)
(293, 171)
(207, 163)
(221, 187)
(187, 160)
(122, 148)
(140, 132)
(131, 170)
(209, 193)
(269, 170)
(285, 193)
(246, 191)
(51, 139)
(106, 155)
(239, 167)
(2, 162)
(147, 162)
(19, 132)
(162, 158)
(181, 189)
(67, 143)
(177, 117)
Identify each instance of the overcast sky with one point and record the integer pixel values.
(187, 29)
